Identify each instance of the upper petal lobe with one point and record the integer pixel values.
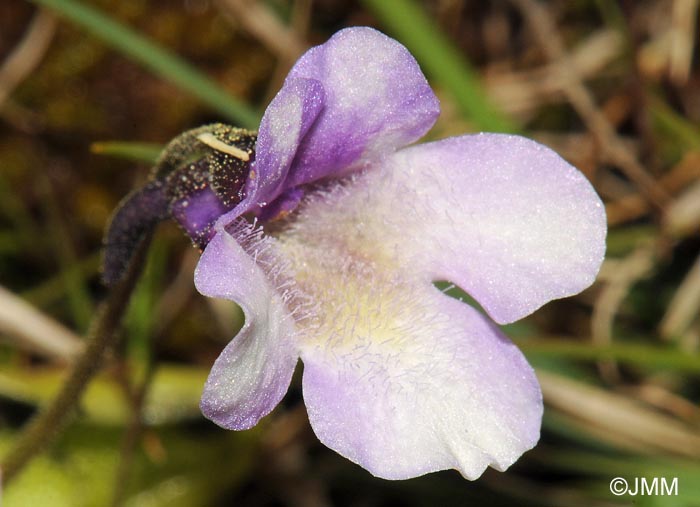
(376, 100)
(287, 119)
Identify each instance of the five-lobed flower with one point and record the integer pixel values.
(398, 377)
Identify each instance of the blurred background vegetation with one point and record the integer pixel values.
(89, 89)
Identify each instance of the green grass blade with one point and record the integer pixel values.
(134, 151)
(674, 126)
(439, 58)
(160, 61)
(631, 353)
(75, 284)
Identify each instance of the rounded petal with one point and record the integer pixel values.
(420, 383)
(253, 372)
(503, 217)
(506, 218)
(376, 100)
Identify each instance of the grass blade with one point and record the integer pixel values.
(128, 150)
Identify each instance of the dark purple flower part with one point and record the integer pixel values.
(200, 176)
(398, 377)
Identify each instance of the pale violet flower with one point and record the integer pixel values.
(398, 377)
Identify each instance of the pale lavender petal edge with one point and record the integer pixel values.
(253, 372)
(502, 216)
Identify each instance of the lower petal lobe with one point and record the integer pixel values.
(253, 373)
(404, 380)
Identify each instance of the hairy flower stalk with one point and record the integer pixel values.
(329, 231)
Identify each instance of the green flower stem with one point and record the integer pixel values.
(160, 61)
(102, 337)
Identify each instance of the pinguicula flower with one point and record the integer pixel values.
(330, 231)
